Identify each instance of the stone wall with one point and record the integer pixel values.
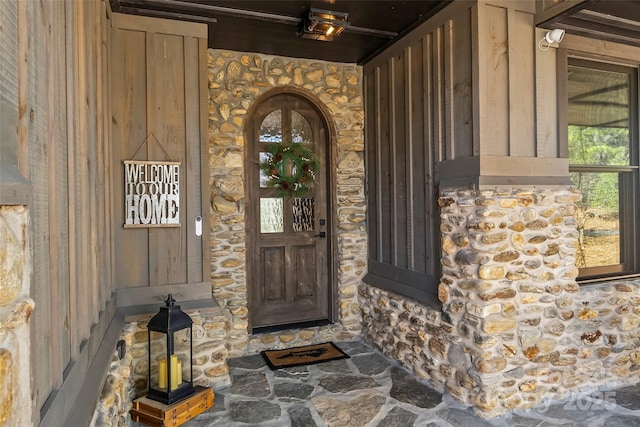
(15, 310)
(118, 391)
(409, 332)
(210, 350)
(236, 80)
(508, 256)
(515, 327)
(127, 376)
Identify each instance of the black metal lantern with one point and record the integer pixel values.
(170, 354)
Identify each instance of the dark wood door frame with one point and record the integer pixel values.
(331, 227)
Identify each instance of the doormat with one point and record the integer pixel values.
(306, 355)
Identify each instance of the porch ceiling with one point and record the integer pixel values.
(617, 21)
(272, 27)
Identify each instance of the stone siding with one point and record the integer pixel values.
(15, 310)
(515, 327)
(298, 337)
(508, 258)
(118, 391)
(409, 332)
(236, 80)
(210, 350)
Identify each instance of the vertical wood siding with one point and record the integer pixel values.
(459, 96)
(506, 84)
(130, 101)
(418, 112)
(493, 84)
(159, 114)
(58, 215)
(8, 85)
(63, 100)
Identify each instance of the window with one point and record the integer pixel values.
(603, 163)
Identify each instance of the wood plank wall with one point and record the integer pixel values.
(464, 97)
(8, 94)
(419, 112)
(506, 80)
(62, 145)
(159, 114)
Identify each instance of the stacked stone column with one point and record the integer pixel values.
(508, 275)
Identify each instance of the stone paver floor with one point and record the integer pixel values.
(370, 390)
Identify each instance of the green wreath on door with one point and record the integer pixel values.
(291, 169)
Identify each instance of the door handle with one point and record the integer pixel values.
(322, 234)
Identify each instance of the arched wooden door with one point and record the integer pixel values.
(288, 242)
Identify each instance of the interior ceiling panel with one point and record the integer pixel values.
(273, 27)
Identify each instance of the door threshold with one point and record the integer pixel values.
(299, 325)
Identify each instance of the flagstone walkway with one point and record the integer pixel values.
(370, 390)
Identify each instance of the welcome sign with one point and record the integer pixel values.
(152, 194)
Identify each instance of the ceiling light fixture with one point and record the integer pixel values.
(323, 24)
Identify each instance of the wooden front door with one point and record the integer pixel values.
(287, 235)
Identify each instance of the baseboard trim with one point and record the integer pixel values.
(85, 374)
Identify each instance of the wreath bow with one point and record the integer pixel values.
(291, 169)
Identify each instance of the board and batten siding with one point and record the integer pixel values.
(464, 99)
(160, 114)
(418, 105)
(55, 133)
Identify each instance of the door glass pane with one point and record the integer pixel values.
(300, 128)
(303, 214)
(271, 215)
(271, 128)
(264, 179)
(598, 219)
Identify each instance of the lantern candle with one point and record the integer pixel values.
(162, 373)
(174, 372)
(168, 383)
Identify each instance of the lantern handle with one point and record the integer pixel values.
(169, 301)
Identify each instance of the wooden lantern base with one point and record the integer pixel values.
(157, 414)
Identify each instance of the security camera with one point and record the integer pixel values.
(554, 36)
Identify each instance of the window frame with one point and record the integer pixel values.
(629, 182)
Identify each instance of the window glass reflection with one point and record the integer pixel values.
(271, 128)
(300, 128)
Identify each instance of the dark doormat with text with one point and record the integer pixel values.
(306, 355)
